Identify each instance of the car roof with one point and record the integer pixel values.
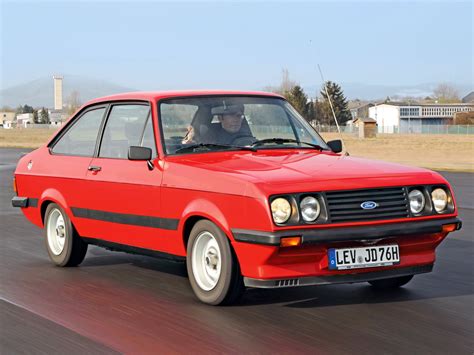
(156, 95)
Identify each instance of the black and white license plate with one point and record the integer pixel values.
(355, 258)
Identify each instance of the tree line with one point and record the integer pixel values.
(318, 110)
(41, 115)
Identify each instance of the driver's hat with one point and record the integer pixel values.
(228, 110)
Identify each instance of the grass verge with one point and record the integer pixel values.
(437, 152)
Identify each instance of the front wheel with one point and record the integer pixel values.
(213, 268)
(65, 246)
(392, 283)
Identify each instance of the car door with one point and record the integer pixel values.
(124, 194)
(71, 153)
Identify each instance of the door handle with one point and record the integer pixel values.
(94, 168)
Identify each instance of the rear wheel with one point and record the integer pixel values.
(392, 283)
(65, 246)
(213, 268)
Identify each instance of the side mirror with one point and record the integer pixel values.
(335, 145)
(139, 153)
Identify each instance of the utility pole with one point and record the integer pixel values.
(409, 114)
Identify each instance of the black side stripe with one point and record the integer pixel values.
(133, 250)
(132, 219)
(32, 202)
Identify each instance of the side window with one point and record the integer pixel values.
(149, 138)
(124, 128)
(176, 120)
(80, 139)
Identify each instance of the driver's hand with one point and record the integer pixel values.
(188, 138)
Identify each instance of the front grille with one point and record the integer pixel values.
(345, 206)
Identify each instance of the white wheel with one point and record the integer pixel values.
(64, 245)
(206, 260)
(213, 268)
(56, 231)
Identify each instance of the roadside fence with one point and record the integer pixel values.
(419, 129)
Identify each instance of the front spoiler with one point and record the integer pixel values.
(342, 234)
(337, 279)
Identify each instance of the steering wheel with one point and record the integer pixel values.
(243, 140)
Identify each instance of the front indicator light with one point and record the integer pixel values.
(440, 199)
(281, 210)
(290, 241)
(417, 201)
(449, 227)
(14, 186)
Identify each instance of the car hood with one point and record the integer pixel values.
(285, 171)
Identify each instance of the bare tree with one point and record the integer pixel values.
(445, 93)
(286, 84)
(73, 102)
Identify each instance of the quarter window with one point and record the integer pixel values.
(81, 138)
(124, 128)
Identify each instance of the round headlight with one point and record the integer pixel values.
(417, 201)
(310, 208)
(440, 199)
(281, 210)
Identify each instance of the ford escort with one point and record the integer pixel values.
(236, 184)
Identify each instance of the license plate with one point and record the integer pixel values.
(355, 258)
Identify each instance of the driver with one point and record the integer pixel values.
(231, 125)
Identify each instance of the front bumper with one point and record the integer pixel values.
(342, 234)
(337, 279)
(24, 202)
(265, 264)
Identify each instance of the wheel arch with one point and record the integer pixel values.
(53, 196)
(198, 210)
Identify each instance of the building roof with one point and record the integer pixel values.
(469, 98)
(359, 106)
(365, 120)
(415, 104)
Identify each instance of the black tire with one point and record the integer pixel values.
(74, 248)
(392, 283)
(229, 287)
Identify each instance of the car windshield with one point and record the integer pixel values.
(212, 123)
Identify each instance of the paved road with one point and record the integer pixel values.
(116, 302)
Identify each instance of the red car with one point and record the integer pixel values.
(239, 186)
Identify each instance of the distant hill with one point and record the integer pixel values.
(38, 93)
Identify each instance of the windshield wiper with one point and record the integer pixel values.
(284, 140)
(193, 147)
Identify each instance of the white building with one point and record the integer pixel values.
(7, 116)
(6, 124)
(24, 119)
(57, 117)
(401, 117)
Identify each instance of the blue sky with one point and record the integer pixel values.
(243, 45)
